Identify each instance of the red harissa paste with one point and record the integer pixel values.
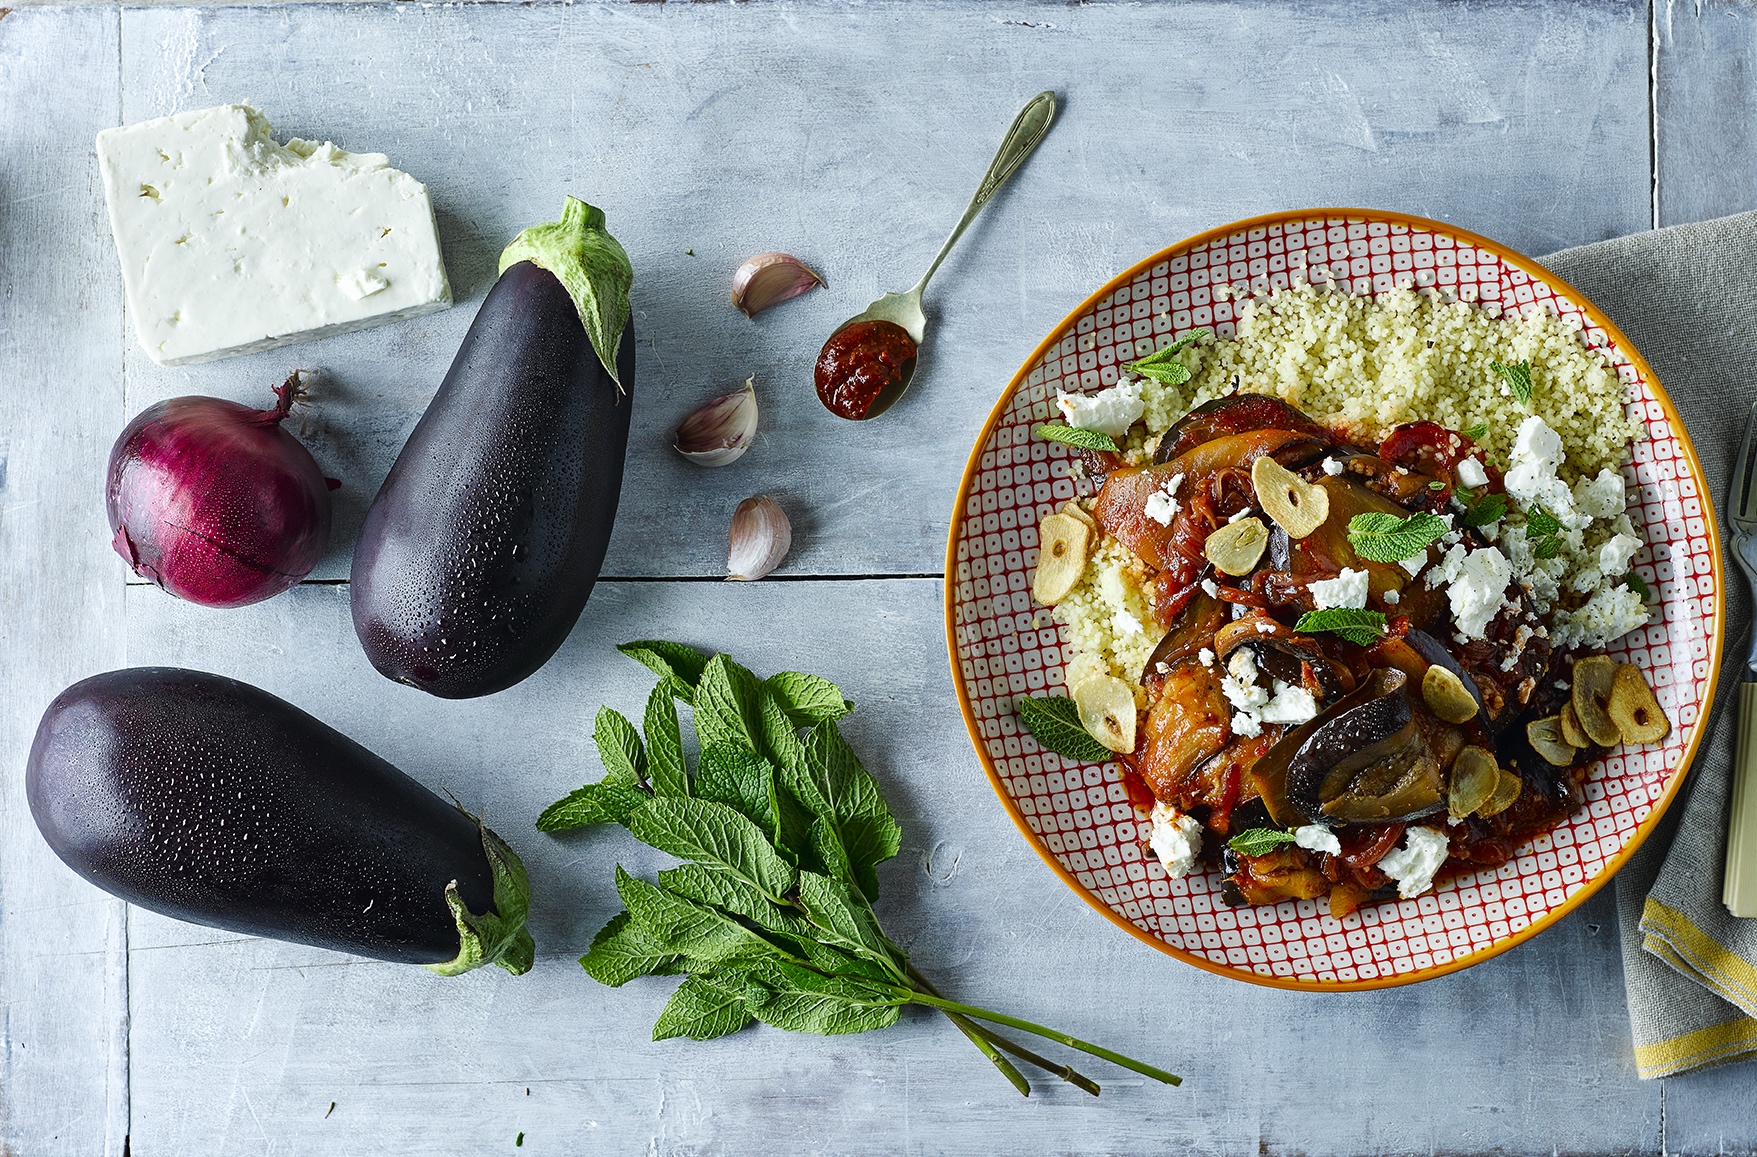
(859, 363)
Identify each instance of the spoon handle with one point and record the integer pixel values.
(1028, 129)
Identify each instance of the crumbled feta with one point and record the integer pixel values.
(1110, 411)
(1531, 479)
(1317, 838)
(1332, 467)
(1600, 497)
(1392, 598)
(1349, 589)
(1206, 656)
(1414, 565)
(1209, 589)
(1160, 508)
(1471, 473)
(1475, 582)
(1614, 556)
(1124, 622)
(1175, 838)
(1413, 865)
(1289, 705)
(1241, 690)
(1609, 614)
(1239, 514)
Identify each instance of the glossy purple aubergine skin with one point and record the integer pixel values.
(212, 801)
(482, 546)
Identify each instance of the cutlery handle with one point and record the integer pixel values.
(1028, 129)
(1740, 891)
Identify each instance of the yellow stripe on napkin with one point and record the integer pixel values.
(1730, 976)
(1706, 1046)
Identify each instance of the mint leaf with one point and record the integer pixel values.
(1259, 841)
(1634, 583)
(832, 908)
(1074, 436)
(596, 803)
(1360, 627)
(728, 706)
(835, 788)
(619, 746)
(702, 934)
(725, 891)
(1547, 547)
(1382, 537)
(669, 661)
(1518, 379)
(1485, 510)
(798, 999)
(1162, 365)
(1540, 523)
(704, 1007)
(780, 734)
(715, 835)
(1054, 722)
(743, 780)
(1476, 432)
(808, 699)
(666, 771)
(623, 950)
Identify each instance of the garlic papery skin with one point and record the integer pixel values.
(769, 279)
(761, 536)
(721, 431)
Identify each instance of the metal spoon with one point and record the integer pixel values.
(904, 309)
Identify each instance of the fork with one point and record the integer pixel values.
(1739, 893)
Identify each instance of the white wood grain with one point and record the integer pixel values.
(240, 1042)
(63, 1074)
(853, 135)
(1707, 108)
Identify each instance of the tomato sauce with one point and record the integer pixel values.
(860, 362)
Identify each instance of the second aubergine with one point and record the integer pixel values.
(483, 544)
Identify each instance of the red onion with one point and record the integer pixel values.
(216, 503)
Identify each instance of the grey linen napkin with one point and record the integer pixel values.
(1686, 297)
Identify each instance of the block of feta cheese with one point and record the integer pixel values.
(231, 243)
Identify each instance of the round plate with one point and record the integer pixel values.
(1078, 816)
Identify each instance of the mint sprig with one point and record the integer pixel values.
(1544, 530)
(1360, 627)
(1634, 582)
(1475, 432)
(1485, 510)
(1518, 379)
(1074, 436)
(1259, 841)
(1162, 365)
(1054, 721)
(779, 829)
(1382, 537)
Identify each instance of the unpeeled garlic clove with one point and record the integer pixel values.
(761, 536)
(769, 279)
(722, 430)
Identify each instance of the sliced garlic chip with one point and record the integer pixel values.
(1570, 724)
(1297, 506)
(1634, 709)
(1064, 546)
(1447, 696)
(1235, 548)
(1074, 510)
(1107, 710)
(1507, 790)
(1591, 695)
(1545, 737)
(1474, 779)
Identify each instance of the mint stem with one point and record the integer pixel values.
(980, 1039)
(1044, 1031)
(964, 1023)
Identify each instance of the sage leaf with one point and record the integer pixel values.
(704, 1007)
(1054, 721)
(714, 834)
(623, 950)
(666, 771)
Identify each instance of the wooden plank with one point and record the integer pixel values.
(1707, 108)
(63, 1074)
(853, 135)
(237, 1041)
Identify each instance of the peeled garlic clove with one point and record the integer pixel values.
(721, 431)
(1107, 711)
(1448, 697)
(769, 279)
(761, 536)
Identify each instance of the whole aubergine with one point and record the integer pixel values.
(212, 801)
(484, 542)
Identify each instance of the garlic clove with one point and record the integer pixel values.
(719, 432)
(769, 279)
(761, 536)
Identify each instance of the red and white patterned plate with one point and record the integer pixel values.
(1078, 816)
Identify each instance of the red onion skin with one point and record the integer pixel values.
(215, 502)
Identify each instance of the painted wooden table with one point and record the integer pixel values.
(850, 134)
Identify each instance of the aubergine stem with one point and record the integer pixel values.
(499, 936)
(987, 1039)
